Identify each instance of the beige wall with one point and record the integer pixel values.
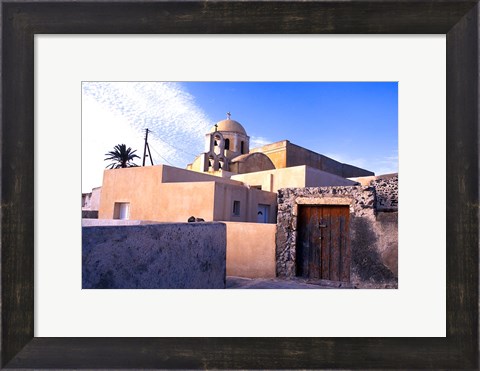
(249, 199)
(297, 155)
(292, 177)
(285, 154)
(273, 180)
(131, 185)
(171, 201)
(152, 200)
(197, 164)
(250, 163)
(183, 200)
(276, 152)
(251, 250)
(319, 178)
(174, 175)
(91, 201)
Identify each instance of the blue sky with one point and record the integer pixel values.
(352, 122)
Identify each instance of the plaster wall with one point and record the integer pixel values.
(226, 194)
(319, 178)
(250, 163)
(285, 154)
(292, 177)
(235, 143)
(137, 185)
(179, 201)
(350, 171)
(176, 175)
(265, 198)
(152, 196)
(198, 164)
(251, 250)
(297, 155)
(157, 256)
(91, 200)
(150, 199)
(276, 152)
(273, 180)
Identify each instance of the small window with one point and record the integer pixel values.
(241, 147)
(236, 208)
(227, 143)
(121, 210)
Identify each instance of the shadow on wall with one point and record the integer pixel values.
(367, 263)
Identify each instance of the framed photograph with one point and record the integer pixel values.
(285, 135)
(22, 347)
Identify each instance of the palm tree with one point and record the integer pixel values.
(121, 157)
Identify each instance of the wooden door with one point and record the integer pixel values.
(323, 242)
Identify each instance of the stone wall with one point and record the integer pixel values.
(114, 222)
(373, 247)
(156, 256)
(386, 189)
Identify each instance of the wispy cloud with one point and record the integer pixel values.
(387, 165)
(119, 112)
(256, 142)
(359, 162)
(383, 165)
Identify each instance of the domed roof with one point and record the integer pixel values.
(229, 125)
(252, 162)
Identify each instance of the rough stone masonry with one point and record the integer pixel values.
(373, 232)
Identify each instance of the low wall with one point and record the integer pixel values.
(251, 250)
(114, 222)
(156, 256)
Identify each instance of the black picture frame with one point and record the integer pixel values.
(21, 20)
